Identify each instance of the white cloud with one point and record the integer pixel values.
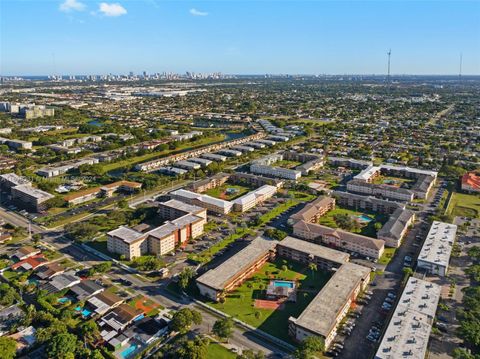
(196, 12)
(113, 9)
(72, 5)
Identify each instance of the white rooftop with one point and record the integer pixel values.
(368, 172)
(409, 329)
(438, 244)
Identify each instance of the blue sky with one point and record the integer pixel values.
(39, 37)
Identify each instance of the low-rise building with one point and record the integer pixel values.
(435, 254)
(234, 271)
(253, 198)
(408, 331)
(470, 182)
(396, 227)
(325, 312)
(313, 210)
(380, 190)
(183, 222)
(337, 238)
(210, 203)
(29, 197)
(367, 203)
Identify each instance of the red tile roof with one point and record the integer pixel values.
(471, 179)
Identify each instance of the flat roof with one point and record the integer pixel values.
(409, 329)
(182, 206)
(126, 234)
(202, 198)
(33, 192)
(438, 244)
(14, 178)
(219, 277)
(321, 314)
(314, 249)
(367, 173)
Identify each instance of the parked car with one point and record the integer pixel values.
(391, 295)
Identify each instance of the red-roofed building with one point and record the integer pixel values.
(30, 262)
(471, 182)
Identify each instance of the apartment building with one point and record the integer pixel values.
(253, 198)
(104, 191)
(408, 331)
(435, 254)
(234, 271)
(16, 144)
(348, 162)
(210, 203)
(9, 180)
(366, 203)
(313, 210)
(183, 222)
(337, 238)
(30, 198)
(380, 190)
(306, 252)
(325, 312)
(7, 163)
(275, 172)
(206, 184)
(396, 227)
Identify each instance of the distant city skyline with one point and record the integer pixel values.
(82, 37)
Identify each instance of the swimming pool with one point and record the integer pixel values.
(83, 311)
(283, 283)
(364, 218)
(127, 352)
(63, 300)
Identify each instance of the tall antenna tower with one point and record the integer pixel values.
(389, 53)
(460, 70)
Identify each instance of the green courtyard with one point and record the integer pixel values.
(240, 302)
(464, 205)
(222, 192)
(347, 219)
(394, 181)
(287, 164)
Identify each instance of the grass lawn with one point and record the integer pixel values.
(220, 192)
(394, 181)
(150, 307)
(240, 303)
(365, 229)
(216, 351)
(465, 205)
(387, 255)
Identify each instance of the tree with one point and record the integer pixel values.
(250, 354)
(223, 328)
(88, 331)
(8, 347)
(284, 268)
(185, 276)
(7, 295)
(123, 204)
(183, 319)
(310, 347)
(62, 346)
(193, 349)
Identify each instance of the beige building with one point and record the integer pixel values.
(337, 238)
(183, 222)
